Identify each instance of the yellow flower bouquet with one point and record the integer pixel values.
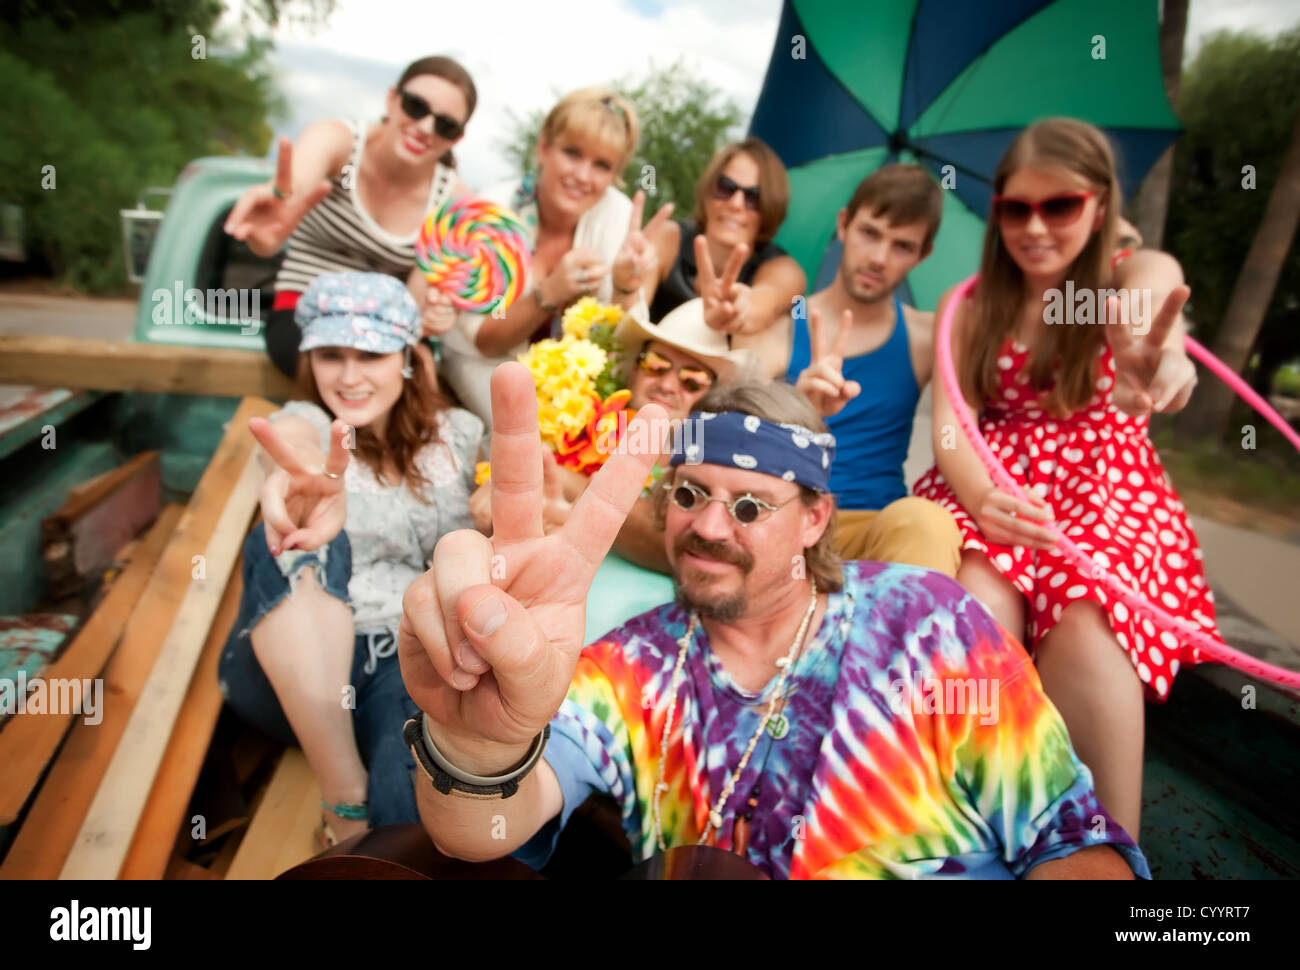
(580, 387)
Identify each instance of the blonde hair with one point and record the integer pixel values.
(1065, 355)
(597, 115)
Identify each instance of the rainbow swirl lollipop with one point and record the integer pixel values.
(476, 252)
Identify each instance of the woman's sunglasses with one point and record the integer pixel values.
(693, 379)
(724, 188)
(745, 509)
(445, 126)
(1059, 210)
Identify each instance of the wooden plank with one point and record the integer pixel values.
(283, 829)
(164, 811)
(105, 837)
(28, 743)
(80, 538)
(43, 843)
(124, 365)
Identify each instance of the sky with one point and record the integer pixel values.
(544, 48)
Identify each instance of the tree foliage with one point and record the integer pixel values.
(683, 122)
(114, 98)
(1238, 102)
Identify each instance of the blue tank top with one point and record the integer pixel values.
(873, 431)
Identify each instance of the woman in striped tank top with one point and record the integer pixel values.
(351, 197)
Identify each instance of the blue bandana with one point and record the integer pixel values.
(789, 452)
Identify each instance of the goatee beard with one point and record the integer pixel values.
(726, 610)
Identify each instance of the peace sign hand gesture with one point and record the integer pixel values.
(264, 219)
(637, 261)
(822, 381)
(726, 301)
(490, 635)
(303, 508)
(1148, 375)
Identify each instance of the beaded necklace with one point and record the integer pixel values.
(786, 664)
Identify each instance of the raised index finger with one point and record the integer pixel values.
(638, 206)
(603, 508)
(815, 346)
(275, 446)
(516, 447)
(284, 166)
(1168, 313)
(704, 266)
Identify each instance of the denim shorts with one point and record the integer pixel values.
(382, 704)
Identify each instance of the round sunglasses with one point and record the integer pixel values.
(724, 188)
(745, 509)
(1057, 211)
(416, 108)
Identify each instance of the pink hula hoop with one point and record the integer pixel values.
(1166, 621)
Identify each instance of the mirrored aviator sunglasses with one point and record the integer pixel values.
(1059, 210)
(693, 379)
(444, 126)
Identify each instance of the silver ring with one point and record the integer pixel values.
(330, 474)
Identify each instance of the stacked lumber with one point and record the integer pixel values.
(114, 797)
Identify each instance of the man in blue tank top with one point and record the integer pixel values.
(863, 362)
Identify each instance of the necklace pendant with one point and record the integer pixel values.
(778, 726)
(715, 819)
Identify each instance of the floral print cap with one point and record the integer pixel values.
(368, 311)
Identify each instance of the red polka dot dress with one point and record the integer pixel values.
(1103, 480)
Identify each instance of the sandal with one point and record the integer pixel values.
(325, 837)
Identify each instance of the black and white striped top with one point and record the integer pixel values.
(338, 235)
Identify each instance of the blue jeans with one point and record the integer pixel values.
(381, 703)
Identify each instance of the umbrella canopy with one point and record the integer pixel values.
(852, 86)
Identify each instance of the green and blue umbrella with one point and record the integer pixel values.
(854, 85)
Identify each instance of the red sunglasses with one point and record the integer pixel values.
(1059, 210)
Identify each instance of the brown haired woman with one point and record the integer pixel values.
(1064, 404)
(577, 220)
(311, 655)
(725, 254)
(351, 197)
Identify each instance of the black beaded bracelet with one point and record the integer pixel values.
(446, 777)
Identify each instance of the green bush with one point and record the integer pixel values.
(1287, 381)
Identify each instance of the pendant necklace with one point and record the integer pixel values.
(786, 664)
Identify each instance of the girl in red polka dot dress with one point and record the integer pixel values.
(1063, 402)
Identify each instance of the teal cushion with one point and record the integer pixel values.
(620, 591)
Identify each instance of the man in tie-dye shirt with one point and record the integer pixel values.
(915, 739)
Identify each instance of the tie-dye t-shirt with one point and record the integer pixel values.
(918, 742)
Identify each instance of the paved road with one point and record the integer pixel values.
(59, 316)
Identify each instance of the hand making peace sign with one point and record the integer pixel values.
(490, 635)
(726, 301)
(822, 381)
(264, 219)
(637, 261)
(303, 508)
(1148, 375)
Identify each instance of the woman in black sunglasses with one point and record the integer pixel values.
(351, 196)
(725, 254)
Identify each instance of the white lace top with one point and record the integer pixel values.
(393, 533)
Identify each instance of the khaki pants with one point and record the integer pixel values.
(912, 530)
